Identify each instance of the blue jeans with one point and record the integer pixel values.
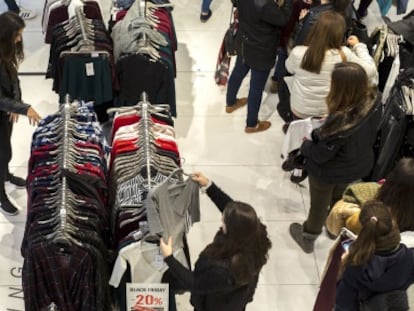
(12, 6)
(280, 69)
(205, 6)
(258, 80)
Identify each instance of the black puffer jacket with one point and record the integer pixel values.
(259, 31)
(305, 25)
(341, 150)
(383, 273)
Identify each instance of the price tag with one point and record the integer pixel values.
(143, 297)
(158, 262)
(89, 69)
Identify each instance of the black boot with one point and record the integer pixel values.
(15, 180)
(7, 207)
(305, 240)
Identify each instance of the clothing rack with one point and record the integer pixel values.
(79, 17)
(67, 217)
(66, 118)
(146, 119)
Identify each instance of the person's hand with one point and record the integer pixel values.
(13, 117)
(344, 256)
(280, 3)
(166, 249)
(303, 13)
(33, 116)
(200, 178)
(352, 40)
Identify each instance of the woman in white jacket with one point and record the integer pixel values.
(312, 65)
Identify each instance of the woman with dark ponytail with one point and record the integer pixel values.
(227, 271)
(376, 262)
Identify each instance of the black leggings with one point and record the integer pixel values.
(363, 6)
(6, 128)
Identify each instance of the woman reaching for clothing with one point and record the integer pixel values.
(312, 64)
(11, 104)
(226, 273)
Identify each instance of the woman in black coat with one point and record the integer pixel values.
(11, 105)
(257, 40)
(341, 150)
(226, 273)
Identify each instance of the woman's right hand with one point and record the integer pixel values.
(303, 13)
(33, 116)
(200, 178)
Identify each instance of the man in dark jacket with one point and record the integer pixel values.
(257, 42)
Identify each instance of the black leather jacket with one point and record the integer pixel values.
(10, 94)
(260, 22)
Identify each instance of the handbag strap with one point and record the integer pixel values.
(231, 15)
(342, 54)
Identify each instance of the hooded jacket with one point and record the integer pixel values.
(341, 150)
(383, 273)
(258, 36)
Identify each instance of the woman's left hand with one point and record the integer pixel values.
(166, 249)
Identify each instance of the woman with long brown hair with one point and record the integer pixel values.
(312, 64)
(376, 262)
(341, 150)
(11, 105)
(227, 271)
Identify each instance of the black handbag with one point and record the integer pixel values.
(359, 29)
(231, 33)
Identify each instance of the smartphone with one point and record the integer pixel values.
(346, 244)
(348, 234)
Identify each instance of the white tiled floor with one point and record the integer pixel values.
(245, 166)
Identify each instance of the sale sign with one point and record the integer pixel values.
(147, 297)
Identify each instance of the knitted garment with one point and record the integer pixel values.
(361, 192)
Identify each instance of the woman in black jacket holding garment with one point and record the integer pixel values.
(257, 41)
(11, 105)
(341, 150)
(226, 273)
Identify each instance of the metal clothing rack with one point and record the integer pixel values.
(87, 45)
(147, 143)
(65, 147)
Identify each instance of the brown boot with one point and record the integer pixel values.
(260, 127)
(240, 102)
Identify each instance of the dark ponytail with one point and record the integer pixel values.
(379, 233)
